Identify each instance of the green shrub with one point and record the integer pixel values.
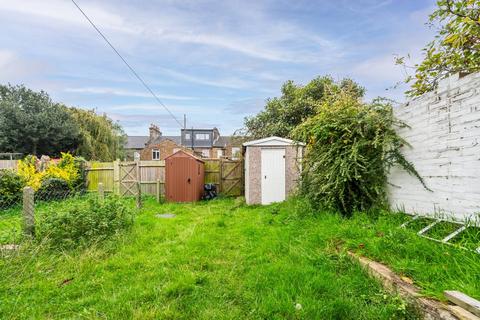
(351, 146)
(84, 223)
(11, 185)
(53, 189)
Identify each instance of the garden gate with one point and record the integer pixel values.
(129, 178)
(231, 182)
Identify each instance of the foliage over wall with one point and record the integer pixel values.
(351, 145)
(296, 104)
(31, 123)
(455, 49)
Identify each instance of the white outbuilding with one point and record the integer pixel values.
(272, 169)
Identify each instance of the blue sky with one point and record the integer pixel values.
(216, 61)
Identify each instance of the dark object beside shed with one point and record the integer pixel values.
(184, 177)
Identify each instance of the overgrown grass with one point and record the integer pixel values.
(224, 260)
(11, 219)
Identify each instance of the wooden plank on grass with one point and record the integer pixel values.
(464, 301)
(462, 314)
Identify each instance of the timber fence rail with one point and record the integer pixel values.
(122, 177)
(8, 164)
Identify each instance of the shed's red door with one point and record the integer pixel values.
(183, 177)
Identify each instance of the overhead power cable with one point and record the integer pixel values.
(127, 64)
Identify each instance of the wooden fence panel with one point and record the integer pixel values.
(212, 172)
(232, 177)
(227, 175)
(150, 172)
(8, 164)
(100, 172)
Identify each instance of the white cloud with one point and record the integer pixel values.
(175, 108)
(231, 83)
(127, 93)
(380, 68)
(179, 26)
(15, 68)
(66, 12)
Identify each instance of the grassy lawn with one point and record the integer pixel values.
(224, 260)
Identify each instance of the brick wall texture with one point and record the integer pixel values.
(292, 172)
(444, 135)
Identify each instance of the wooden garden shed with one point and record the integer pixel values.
(272, 169)
(184, 177)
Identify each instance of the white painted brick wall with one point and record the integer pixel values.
(444, 135)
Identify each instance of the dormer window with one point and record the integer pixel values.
(202, 136)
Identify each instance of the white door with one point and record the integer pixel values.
(273, 175)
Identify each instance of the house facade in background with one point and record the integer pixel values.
(206, 143)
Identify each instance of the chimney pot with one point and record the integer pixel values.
(154, 132)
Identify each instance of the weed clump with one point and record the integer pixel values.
(83, 224)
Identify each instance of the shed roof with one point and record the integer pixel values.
(183, 153)
(273, 141)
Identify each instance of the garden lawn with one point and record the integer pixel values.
(224, 260)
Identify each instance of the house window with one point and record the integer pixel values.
(206, 153)
(219, 153)
(155, 154)
(187, 136)
(202, 136)
(235, 153)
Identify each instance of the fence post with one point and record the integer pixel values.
(139, 187)
(28, 212)
(220, 174)
(158, 190)
(116, 177)
(101, 192)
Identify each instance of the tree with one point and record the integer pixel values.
(101, 138)
(31, 123)
(296, 104)
(455, 49)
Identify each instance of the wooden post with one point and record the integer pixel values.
(158, 190)
(139, 187)
(116, 177)
(28, 212)
(101, 192)
(220, 174)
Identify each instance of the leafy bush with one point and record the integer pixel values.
(11, 185)
(350, 148)
(53, 189)
(69, 169)
(84, 223)
(27, 169)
